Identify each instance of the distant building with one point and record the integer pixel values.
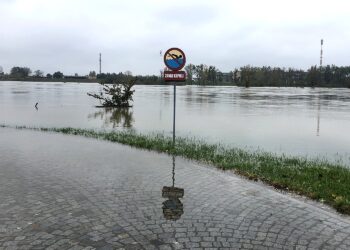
(222, 77)
(227, 77)
(238, 74)
(92, 75)
(298, 75)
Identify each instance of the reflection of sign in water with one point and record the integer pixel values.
(172, 192)
(172, 207)
(175, 59)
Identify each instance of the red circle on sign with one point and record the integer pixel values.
(177, 62)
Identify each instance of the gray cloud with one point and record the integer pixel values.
(67, 35)
(180, 15)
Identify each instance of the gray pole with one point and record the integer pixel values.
(174, 114)
(321, 54)
(100, 63)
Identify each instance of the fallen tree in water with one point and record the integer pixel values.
(117, 93)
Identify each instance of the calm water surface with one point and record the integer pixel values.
(295, 121)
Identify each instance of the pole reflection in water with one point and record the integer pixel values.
(114, 117)
(172, 207)
(318, 116)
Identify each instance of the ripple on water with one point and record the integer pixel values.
(17, 92)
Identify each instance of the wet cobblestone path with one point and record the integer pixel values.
(66, 192)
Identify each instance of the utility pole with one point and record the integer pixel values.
(321, 54)
(100, 63)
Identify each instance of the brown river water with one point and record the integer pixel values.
(293, 121)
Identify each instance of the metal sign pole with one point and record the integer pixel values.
(174, 114)
(174, 60)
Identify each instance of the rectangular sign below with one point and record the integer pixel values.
(174, 76)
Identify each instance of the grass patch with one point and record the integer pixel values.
(317, 179)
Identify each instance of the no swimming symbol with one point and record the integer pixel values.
(174, 59)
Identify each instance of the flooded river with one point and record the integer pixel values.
(294, 121)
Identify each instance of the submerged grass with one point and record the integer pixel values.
(317, 179)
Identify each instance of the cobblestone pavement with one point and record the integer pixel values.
(66, 192)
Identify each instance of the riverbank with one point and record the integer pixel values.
(72, 80)
(42, 79)
(316, 179)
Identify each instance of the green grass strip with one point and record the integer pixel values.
(317, 179)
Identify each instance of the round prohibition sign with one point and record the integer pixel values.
(174, 59)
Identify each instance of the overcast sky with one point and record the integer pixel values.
(67, 35)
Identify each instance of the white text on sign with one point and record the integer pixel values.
(175, 76)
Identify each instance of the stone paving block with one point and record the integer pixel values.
(92, 194)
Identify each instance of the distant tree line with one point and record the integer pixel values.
(247, 76)
(26, 74)
(329, 76)
(141, 80)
